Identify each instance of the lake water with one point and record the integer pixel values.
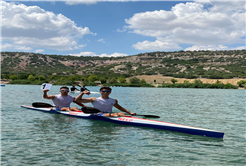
(36, 138)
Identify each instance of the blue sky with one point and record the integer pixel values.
(121, 28)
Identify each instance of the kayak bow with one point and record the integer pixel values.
(140, 122)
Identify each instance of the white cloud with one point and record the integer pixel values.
(207, 47)
(32, 26)
(101, 55)
(197, 23)
(156, 45)
(39, 50)
(203, 1)
(213, 47)
(17, 47)
(239, 48)
(102, 40)
(89, 2)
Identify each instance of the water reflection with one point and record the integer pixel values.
(88, 139)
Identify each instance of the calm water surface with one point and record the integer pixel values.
(36, 138)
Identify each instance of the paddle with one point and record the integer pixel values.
(86, 110)
(148, 116)
(41, 105)
(44, 105)
(90, 110)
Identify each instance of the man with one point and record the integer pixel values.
(104, 103)
(73, 88)
(63, 100)
(84, 89)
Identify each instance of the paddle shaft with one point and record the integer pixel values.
(87, 110)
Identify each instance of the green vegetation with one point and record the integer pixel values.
(195, 85)
(130, 84)
(242, 83)
(32, 68)
(174, 80)
(179, 64)
(88, 80)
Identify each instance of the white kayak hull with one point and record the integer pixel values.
(134, 121)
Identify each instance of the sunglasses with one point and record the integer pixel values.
(64, 90)
(106, 91)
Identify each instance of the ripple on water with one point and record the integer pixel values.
(35, 138)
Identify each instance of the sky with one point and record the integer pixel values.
(114, 28)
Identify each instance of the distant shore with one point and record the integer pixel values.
(159, 79)
(5, 81)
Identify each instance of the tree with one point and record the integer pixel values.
(241, 82)
(103, 80)
(113, 80)
(93, 78)
(134, 80)
(41, 78)
(51, 77)
(218, 82)
(173, 80)
(72, 78)
(142, 81)
(31, 78)
(197, 81)
(13, 77)
(23, 76)
(122, 80)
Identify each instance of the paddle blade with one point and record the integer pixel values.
(149, 116)
(41, 105)
(90, 110)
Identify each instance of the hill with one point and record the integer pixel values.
(179, 64)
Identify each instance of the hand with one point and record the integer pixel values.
(86, 92)
(133, 114)
(45, 90)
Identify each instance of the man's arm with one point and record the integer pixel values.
(86, 100)
(45, 95)
(116, 105)
(80, 104)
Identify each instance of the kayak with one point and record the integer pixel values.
(2, 84)
(139, 122)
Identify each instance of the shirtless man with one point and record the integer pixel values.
(103, 103)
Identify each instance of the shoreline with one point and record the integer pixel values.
(5, 81)
(159, 79)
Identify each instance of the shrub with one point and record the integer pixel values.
(197, 81)
(134, 80)
(13, 77)
(122, 80)
(241, 82)
(174, 80)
